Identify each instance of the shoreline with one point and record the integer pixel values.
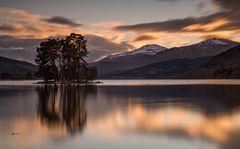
(68, 83)
(128, 82)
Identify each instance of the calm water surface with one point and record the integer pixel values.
(121, 115)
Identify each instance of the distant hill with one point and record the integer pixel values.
(171, 69)
(128, 60)
(154, 54)
(15, 69)
(223, 66)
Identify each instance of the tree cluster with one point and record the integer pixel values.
(62, 60)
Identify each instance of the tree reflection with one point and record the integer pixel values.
(64, 106)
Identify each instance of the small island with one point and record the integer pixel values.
(62, 61)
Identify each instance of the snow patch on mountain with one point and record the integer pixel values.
(213, 41)
(145, 50)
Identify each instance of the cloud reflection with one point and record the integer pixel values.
(209, 114)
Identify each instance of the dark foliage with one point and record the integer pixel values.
(63, 60)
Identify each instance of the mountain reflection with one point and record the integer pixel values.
(210, 100)
(64, 106)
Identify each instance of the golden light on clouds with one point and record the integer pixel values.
(237, 39)
(207, 27)
(13, 14)
(170, 33)
(24, 24)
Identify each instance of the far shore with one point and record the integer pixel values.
(144, 82)
(69, 83)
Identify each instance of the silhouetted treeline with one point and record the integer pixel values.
(12, 76)
(63, 60)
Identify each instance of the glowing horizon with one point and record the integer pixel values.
(113, 26)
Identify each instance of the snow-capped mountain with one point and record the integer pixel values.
(151, 49)
(154, 54)
(209, 47)
(212, 41)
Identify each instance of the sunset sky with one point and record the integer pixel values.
(113, 26)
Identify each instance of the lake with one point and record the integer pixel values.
(121, 114)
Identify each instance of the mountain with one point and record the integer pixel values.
(127, 61)
(171, 69)
(223, 66)
(210, 47)
(145, 50)
(14, 69)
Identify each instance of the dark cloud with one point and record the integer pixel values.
(100, 46)
(201, 5)
(167, 0)
(62, 21)
(171, 1)
(7, 41)
(21, 26)
(230, 10)
(228, 4)
(176, 25)
(8, 28)
(24, 54)
(25, 49)
(144, 37)
(17, 48)
(157, 26)
(224, 4)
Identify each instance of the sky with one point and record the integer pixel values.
(114, 26)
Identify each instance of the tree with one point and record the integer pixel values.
(63, 60)
(28, 75)
(91, 73)
(73, 52)
(6, 75)
(47, 58)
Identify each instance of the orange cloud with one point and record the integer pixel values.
(22, 24)
(237, 39)
(13, 14)
(207, 27)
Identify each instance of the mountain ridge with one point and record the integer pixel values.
(16, 69)
(150, 49)
(171, 69)
(223, 66)
(210, 47)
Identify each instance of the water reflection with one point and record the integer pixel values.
(207, 113)
(211, 100)
(210, 113)
(64, 106)
(119, 117)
